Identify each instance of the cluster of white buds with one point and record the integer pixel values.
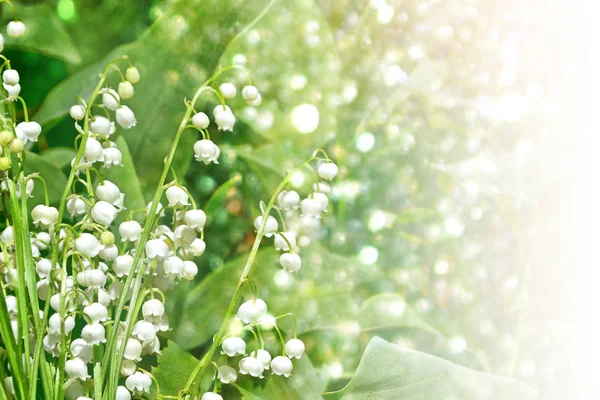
(14, 29)
(206, 150)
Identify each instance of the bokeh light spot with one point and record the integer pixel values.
(305, 118)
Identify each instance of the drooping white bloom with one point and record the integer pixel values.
(281, 243)
(110, 99)
(104, 213)
(125, 117)
(77, 112)
(122, 392)
(177, 196)
(291, 262)
(8, 236)
(153, 310)
(94, 334)
(227, 90)
(82, 349)
(327, 170)
(251, 366)
(31, 129)
(122, 265)
(225, 119)
(200, 120)
(256, 102)
(133, 350)
(282, 366)
(263, 356)
(183, 236)
(76, 206)
(195, 219)
(10, 76)
(227, 374)
(93, 150)
(233, 346)
(173, 266)
(249, 93)
(130, 230)
(251, 311)
(128, 367)
(15, 29)
(96, 312)
(13, 91)
(190, 270)
(76, 369)
(211, 396)
(288, 200)
(294, 348)
(96, 278)
(144, 331)
(108, 191)
(109, 252)
(54, 324)
(126, 90)
(270, 226)
(44, 216)
(322, 187)
(112, 157)
(156, 248)
(138, 383)
(311, 208)
(11, 305)
(206, 151)
(43, 267)
(101, 125)
(160, 211)
(196, 248)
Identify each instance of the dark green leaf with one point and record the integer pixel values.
(59, 156)
(392, 372)
(45, 33)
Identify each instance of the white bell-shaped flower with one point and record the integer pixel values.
(251, 366)
(190, 270)
(291, 262)
(112, 157)
(54, 324)
(138, 383)
(227, 90)
(104, 213)
(311, 208)
(130, 231)
(160, 211)
(288, 200)
(122, 393)
(10, 76)
(43, 267)
(196, 248)
(8, 236)
(110, 99)
(263, 356)
(126, 90)
(281, 243)
(76, 369)
(211, 396)
(76, 206)
(256, 102)
(233, 346)
(156, 248)
(88, 245)
(200, 120)
(270, 226)
(176, 196)
(93, 150)
(44, 216)
(225, 119)
(294, 348)
(11, 305)
(125, 117)
(94, 334)
(153, 310)
(227, 374)
(144, 331)
(13, 91)
(183, 236)
(15, 29)
(101, 125)
(96, 312)
(133, 350)
(77, 112)
(31, 129)
(96, 278)
(109, 252)
(327, 170)
(128, 368)
(122, 265)
(108, 191)
(195, 219)
(249, 93)
(206, 151)
(251, 311)
(173, 266)
(82, 349)
(322, 187)
(282, 366)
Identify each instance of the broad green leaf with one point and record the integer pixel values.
(45, 33)
(53, 176)
(219, 195)
(389, 310)
(59, 156)
(174, 56)
(125, 177)
(320, 297)
(303, 384)
(391, 372)
(175, 365)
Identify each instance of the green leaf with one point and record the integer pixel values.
(54, 177)
(218, 197)
(389, 371)
(174, 56)
(320, 298)
(303, 384)
(59, 156)
(389, 310)
(413, 215)
(125, 177)
(45, 33)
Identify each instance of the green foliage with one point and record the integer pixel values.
(389, 371)
(54, 177)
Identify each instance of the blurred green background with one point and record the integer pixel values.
(437, 113)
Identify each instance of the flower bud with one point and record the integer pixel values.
(200, 120)
(270, 226)
(4, 164)
(88, 245)
(104, 213)
(133, 350)
(107, 238)
(15, 29)
(249, 93)
(132, 74)
(110, 99)
(17, 146)
(227, 90)
(77, 112)
(6, 138)
(256, 102)
(327, 170)
(93, 150)
(122, 393)
(126, 90)
(10, 76)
